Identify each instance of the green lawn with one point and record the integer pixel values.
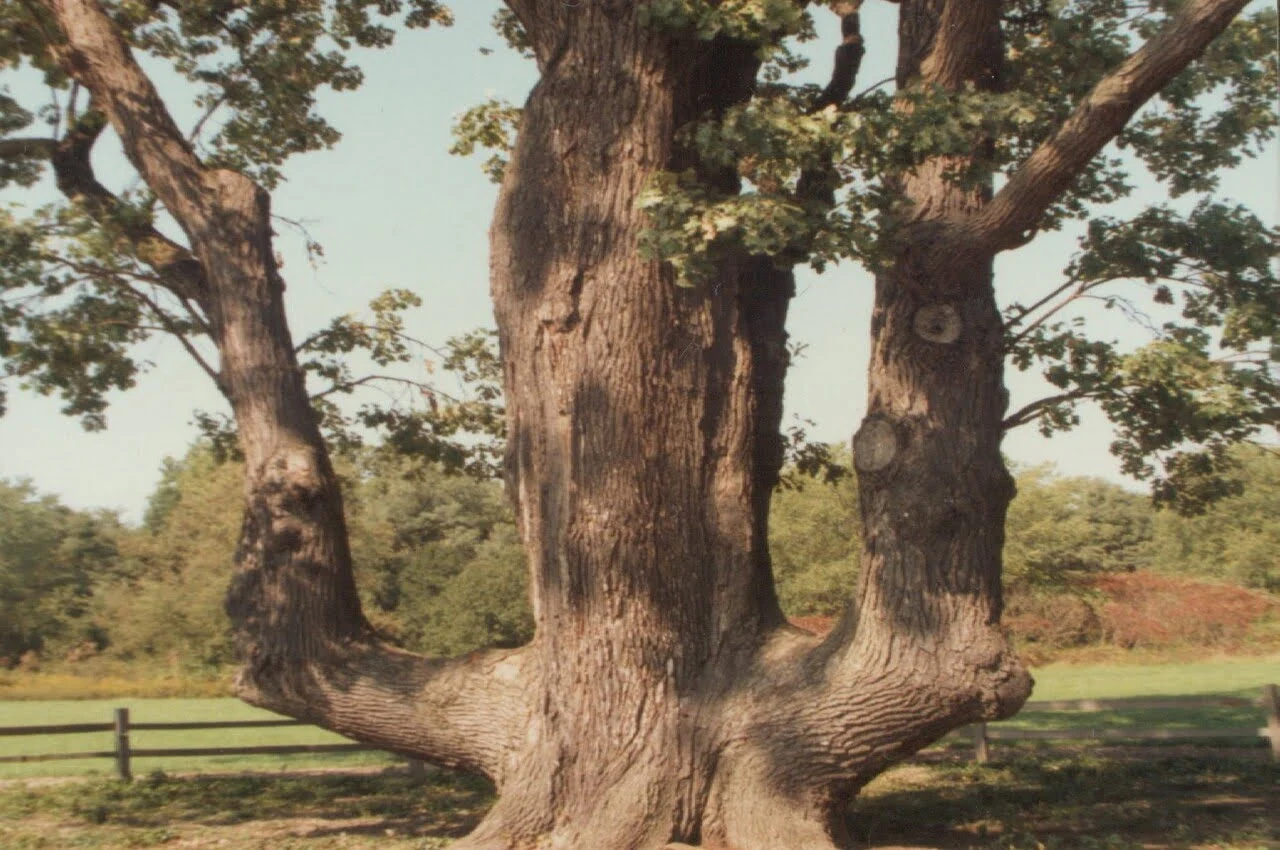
(1236, 676)
(1240, 678)
(1228, 677)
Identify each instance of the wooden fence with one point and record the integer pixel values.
(982, 734)
(124, 753)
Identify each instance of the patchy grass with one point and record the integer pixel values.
(1061, 800)
(1077, 800)
(388, 811)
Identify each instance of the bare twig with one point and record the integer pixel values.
(347, 386)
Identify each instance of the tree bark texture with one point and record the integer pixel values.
(664, 698)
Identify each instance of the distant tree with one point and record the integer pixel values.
(1062, 530)
(50, 558)
(814, 540)
(1237, 539)
(170, 604)
(439, 561)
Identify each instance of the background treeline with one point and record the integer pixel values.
(1088, 565)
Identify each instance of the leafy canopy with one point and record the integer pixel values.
(1195, 275)
(85, 279)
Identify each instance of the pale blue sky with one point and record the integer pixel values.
(392, 208)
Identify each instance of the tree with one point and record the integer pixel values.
(655, 200)
(168, 605)
(1062, 530)
(1237, 539)
(50, 557)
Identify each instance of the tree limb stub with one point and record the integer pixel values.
(848, 59)
(938, 323)
(20, 148)
(875, 445)
(1049, 170)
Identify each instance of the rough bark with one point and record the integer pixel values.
(643, 439)
(664, 699)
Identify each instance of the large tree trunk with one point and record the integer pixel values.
(643, 429)
(664, 698)
(644, 424)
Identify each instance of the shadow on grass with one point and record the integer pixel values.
(1075, 799)
(1244, 714)
(445, 805)
(1037, 798)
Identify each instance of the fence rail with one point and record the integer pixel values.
(982, 733)
(124, 753)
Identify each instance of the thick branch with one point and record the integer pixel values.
(848, 59)
(179, 271)
(26, 148)
(1036, 409)
(466, 712)
(1017, 208)
(819, 184)
(96, 55)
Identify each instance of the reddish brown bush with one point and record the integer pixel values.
(1052, 621)
(1144, 609)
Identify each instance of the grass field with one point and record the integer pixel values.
(1031, 797)
(1236, 676)
(1065, 800)
(1227, 677)
(1224, 678)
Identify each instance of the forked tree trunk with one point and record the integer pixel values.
(664, 699)
(644, 417)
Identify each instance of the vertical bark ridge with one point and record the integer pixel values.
(643, 423)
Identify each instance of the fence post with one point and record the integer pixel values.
(980, 752)
(1271, 702)
(122, 744)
